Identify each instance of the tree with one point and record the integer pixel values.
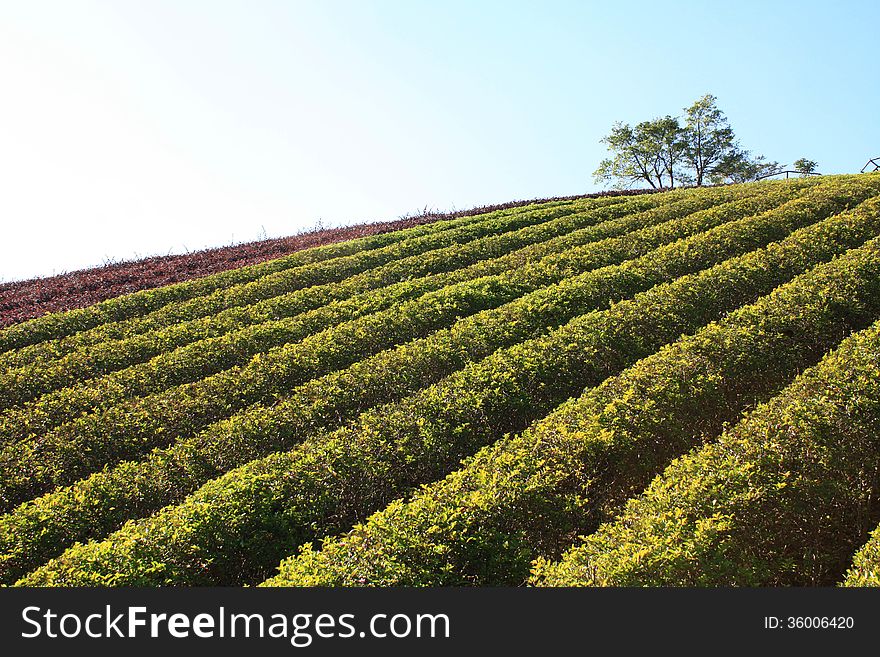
(738, 166)
(708, 137)
(663, 151)
(668, 137)
(805, 166)
(652, 152)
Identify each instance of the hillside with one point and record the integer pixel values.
(24, 300)
(680, 388)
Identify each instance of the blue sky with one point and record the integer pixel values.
(135, 128)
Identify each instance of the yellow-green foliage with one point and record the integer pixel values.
(865, 570)
(182, 352)
(32, 465)
(118, 344)
(530, 494)
(233, 287)
(40, 529)
(568, 352)
(269, 506)
(783, 498)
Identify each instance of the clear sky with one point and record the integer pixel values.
(138, 128)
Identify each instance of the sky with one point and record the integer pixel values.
(130, 129)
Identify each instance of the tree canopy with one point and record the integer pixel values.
(707, 136)
(805, 166)
(651, 151)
